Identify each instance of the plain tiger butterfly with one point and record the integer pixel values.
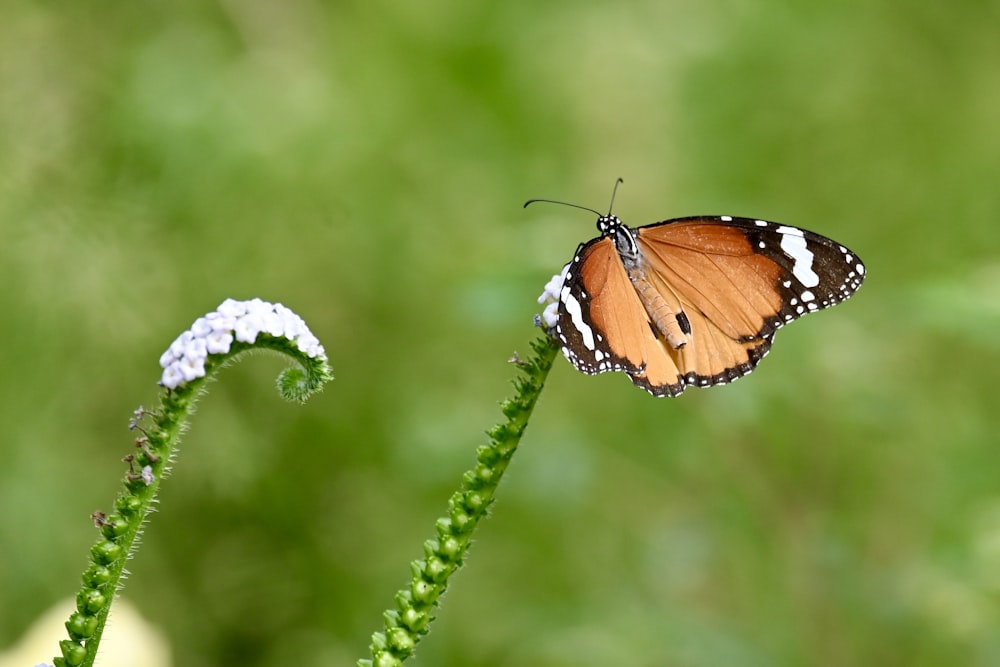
(692, 302)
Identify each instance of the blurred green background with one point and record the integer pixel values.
(365, 164)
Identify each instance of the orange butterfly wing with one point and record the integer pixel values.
(603, 325)
(749, 277)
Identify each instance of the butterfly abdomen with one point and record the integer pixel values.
(666, 321)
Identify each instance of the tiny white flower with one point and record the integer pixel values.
(309, 344)
(551, 314)
(232, 308)
(256, 305)
(201, 327)
(245, 330)
(219, 322)
(172, 376)
(550, 297)
(195, 349)
(167, 358)
(218, 342)
(554, 286)
(147, 475)
(177, 347)
(272, 323)
(192, 368)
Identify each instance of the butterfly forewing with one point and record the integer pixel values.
(729, 282)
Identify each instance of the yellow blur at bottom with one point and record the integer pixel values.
(129, 640)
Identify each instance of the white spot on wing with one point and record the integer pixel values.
(793, 243)
(576, 316)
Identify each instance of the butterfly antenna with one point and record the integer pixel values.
(563, 203)
(614, 191)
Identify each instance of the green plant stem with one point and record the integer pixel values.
(148, 464)
(444, 555)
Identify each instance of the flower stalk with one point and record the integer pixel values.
(212, 342)
(444, 554)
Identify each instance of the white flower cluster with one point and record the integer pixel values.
(550, 297)
(214, 333)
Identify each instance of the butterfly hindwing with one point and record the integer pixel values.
(598, 310)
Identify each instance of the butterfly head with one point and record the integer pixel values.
(607, 224)
(612, 227)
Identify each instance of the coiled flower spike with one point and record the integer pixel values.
(212, 341)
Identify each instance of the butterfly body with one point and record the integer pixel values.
(693, 301)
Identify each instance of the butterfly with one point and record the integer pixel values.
(695, 301)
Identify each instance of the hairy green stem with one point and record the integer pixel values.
(444, 555)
